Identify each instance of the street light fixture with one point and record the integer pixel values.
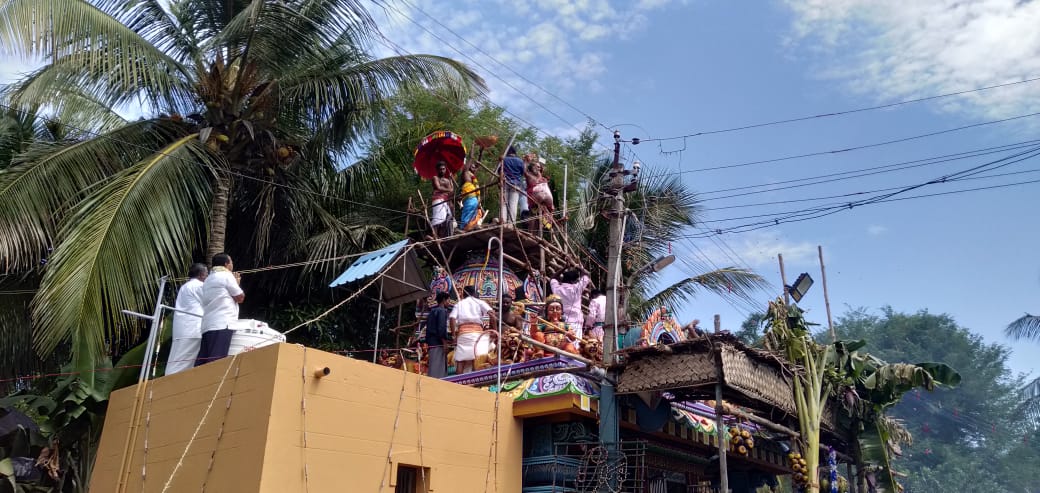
(656, 265)
(800, 287)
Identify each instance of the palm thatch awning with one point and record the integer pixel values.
(756, 379)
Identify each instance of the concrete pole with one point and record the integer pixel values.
(608, 412)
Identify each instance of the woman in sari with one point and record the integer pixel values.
(538, 192)
(471, 214)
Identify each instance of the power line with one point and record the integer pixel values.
(813, 213)
(902, 165)
(475, 61)
(838, 113)
(857, 148)
(853, 194)
(832, 210)
(507, 67)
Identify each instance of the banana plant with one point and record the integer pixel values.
(865, 385)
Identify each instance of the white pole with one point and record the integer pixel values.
(153, 334)
(379, 317)
(563, 206)
(501, 288)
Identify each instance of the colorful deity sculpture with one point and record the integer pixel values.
(660, 328)
(481, 272)
(553, 329)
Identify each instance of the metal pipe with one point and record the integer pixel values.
(379, 317)
(502, 182)
(501, 289)
(556, 350)
(138, 315)
(720, 436)
(172, 309)
(153, 334)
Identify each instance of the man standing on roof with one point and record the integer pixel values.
(597, 314)
(437, 336)
(441, 217)
(221, 295)
(515, 186)
(467, 324)
(569, 288)
(187, 335)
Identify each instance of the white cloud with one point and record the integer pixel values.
(876, 230)
(757, 250)
(561, 45)
(894, 49)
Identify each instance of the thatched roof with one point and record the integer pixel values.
(757, 379)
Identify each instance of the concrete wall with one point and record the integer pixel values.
(169, 417)
(351, 418)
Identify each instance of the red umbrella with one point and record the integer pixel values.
(439, 146)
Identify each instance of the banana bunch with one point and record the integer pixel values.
(741, 440)
(843, 485)
(801, 470)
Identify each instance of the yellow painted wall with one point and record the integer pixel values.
(351, 418)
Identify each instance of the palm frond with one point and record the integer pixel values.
(1030, 405)
(370, 84)
(140, 225)
(44, 181)
(341, 236)
(107, 58)
(68, 104)
(728, 282)
(1026, 327)
(166, 30)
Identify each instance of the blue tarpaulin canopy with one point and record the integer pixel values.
(402, 279)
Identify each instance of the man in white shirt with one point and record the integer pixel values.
(220, 298)
(187, 334)
(467, 323)
(597, 314)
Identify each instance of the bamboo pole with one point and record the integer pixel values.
(826, 297)
(783, 279)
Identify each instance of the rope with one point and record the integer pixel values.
(341, 303)
(419, 424)
(220, 432)
(303, 418)
(393, 433)
(147, 426)
(180, 461)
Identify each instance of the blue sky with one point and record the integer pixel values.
(660, 68)
(663, 68)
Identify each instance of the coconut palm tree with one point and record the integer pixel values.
(1028, 327)
(244, 112)
(661, 211)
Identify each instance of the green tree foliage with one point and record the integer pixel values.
(249, 110)
(751, 330)
(966, 439)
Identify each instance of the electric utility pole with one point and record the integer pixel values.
(615, 212)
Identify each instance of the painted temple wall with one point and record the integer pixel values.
(355, 418)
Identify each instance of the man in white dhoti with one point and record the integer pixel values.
(187, 332)
(467, 323)
(441, 217)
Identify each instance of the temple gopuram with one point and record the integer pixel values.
(693, 405)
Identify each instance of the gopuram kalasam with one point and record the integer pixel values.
(692, 405)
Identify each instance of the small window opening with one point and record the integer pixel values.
(412, 479)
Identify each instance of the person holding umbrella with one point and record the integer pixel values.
(442, 217)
